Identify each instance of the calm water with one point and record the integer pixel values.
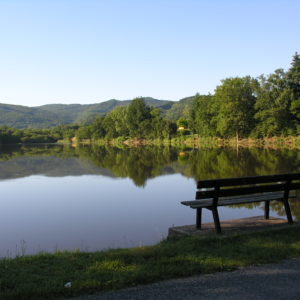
(56, 197)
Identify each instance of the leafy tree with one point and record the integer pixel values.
(109, 126)
(235, 100)
(273, 106)
(293, 82)
(118, 118)
(159, 128)
(138, 116)
(203, 114)
(97, 128)
(182, 122)
(9, 135)
(84, 132)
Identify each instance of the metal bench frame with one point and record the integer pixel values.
(241, 190)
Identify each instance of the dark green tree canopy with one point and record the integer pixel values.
(293, 80)
(235, 102)
(137, 115)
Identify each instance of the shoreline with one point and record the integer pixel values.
(291, 142)
(70, 274)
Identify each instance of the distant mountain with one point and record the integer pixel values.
(26, 117)
(50, 115)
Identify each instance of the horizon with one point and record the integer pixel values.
(57, 52)
(57, 103)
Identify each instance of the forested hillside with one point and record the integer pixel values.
(17, 116)
(51, 115)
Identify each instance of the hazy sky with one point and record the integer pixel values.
(71, 51)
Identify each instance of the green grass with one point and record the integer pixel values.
(43, 276)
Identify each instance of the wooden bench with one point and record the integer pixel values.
(231, 191)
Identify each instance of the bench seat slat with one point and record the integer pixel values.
(247, 180)
(236, 200)
(237, 191)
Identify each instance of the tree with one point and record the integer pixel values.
(97, 128)
(235, 101)
(293, 82)
(9, 135)
(84, 132)
(138, 116)
(119, 120)
(273, 106)
(203, 115)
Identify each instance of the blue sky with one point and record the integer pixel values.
(88, 51)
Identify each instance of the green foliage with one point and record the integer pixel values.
(15, 136)
(182, 122)
(235, 102)
(138, 116)
(9, 135)
(273, 106)
(84, 132)
(248, 107)
(293, 82)
(136, 121)
(203, 115)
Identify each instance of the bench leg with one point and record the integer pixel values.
(216, 219)
(267, 210)
(288, 211)
(198, 218)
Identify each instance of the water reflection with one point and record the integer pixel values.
(142, 163)
(141, 211)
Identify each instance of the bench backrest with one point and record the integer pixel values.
(247, 185)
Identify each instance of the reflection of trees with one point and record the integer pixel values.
(8, 152)
(137, 163)
(276, 161)
(276, 206)
(222, 163)
(294, 204)
(142, 163)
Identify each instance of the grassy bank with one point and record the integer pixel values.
(43, 276)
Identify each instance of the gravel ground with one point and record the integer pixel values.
(275, 281)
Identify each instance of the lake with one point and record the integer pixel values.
(58, 197)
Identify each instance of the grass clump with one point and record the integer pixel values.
(44, 276)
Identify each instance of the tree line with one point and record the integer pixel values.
(10, 135)
(240, 107)
(134, 121)
(251, 107)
